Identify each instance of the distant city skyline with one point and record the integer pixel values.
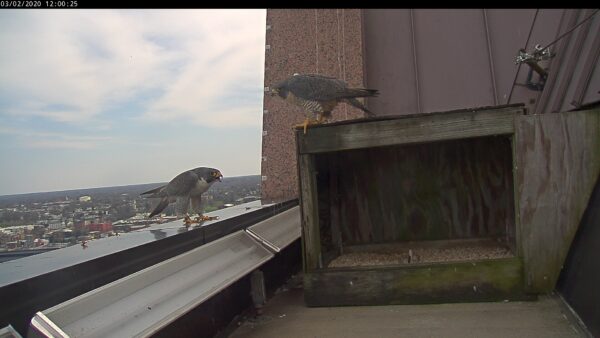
(109, 186)
(97, 98)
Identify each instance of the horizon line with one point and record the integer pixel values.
(110, 186)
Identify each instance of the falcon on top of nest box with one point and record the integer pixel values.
(320, 94)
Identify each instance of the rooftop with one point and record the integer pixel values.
(286, 312)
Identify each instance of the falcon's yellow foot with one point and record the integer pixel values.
(187, 221)
(306, 123)
(320, 118)
(203, 218)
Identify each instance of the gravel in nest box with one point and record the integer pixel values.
(421, 255)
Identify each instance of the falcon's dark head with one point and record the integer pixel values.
(210, 175)
(280, 89)
(215, 174)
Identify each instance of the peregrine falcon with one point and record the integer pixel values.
(184, 189)
(320, 94)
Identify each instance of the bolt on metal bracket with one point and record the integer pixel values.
(531, 59)
(539, 54)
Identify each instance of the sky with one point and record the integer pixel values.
(93, 98)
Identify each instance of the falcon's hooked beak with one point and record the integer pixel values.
(217, 175)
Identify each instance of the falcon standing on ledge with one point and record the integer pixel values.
(184, 189)
(320, 94)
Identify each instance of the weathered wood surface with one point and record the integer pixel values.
(491, 280)
(558, 163)
(435, 127)
(441, 190)
(311, 243)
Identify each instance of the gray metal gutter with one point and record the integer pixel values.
(144, 302)
(58, 276)
(279, 231)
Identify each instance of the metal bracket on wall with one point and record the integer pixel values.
(529, 83)
(539, 54)
(532, 59)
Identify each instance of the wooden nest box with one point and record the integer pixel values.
(425, 208)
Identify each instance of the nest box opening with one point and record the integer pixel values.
(441, 201)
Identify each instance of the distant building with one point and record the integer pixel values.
(94, 234)
(100, 227)
(29, 241)
(60, 236)
(85, 198)
(40, 242)
(56, 225)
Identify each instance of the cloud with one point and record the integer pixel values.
(125, 89)
(35, 139)
(58, 144)
(211, 92)
(72, 67)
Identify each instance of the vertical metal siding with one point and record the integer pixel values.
(453, 60)
(588, 68)
(508, 30)
(557, 65)
(429, 60)
(389, 46)
(583, 57)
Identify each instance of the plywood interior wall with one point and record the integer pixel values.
(431, 191)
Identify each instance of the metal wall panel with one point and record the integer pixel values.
(582, 56)
(452, 59)
(506, 37)
(592, 88)
(558, 65)
(431, 60)
(390, 61)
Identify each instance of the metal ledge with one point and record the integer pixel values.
(70, 272)
(279, 231)
(9, 332)
(144, 302)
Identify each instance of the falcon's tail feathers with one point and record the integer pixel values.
(360, 106)
(160, 207)
(362, 92)
(153, 191)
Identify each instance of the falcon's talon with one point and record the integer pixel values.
(307, 122)
(203, 218)
(187, 221)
